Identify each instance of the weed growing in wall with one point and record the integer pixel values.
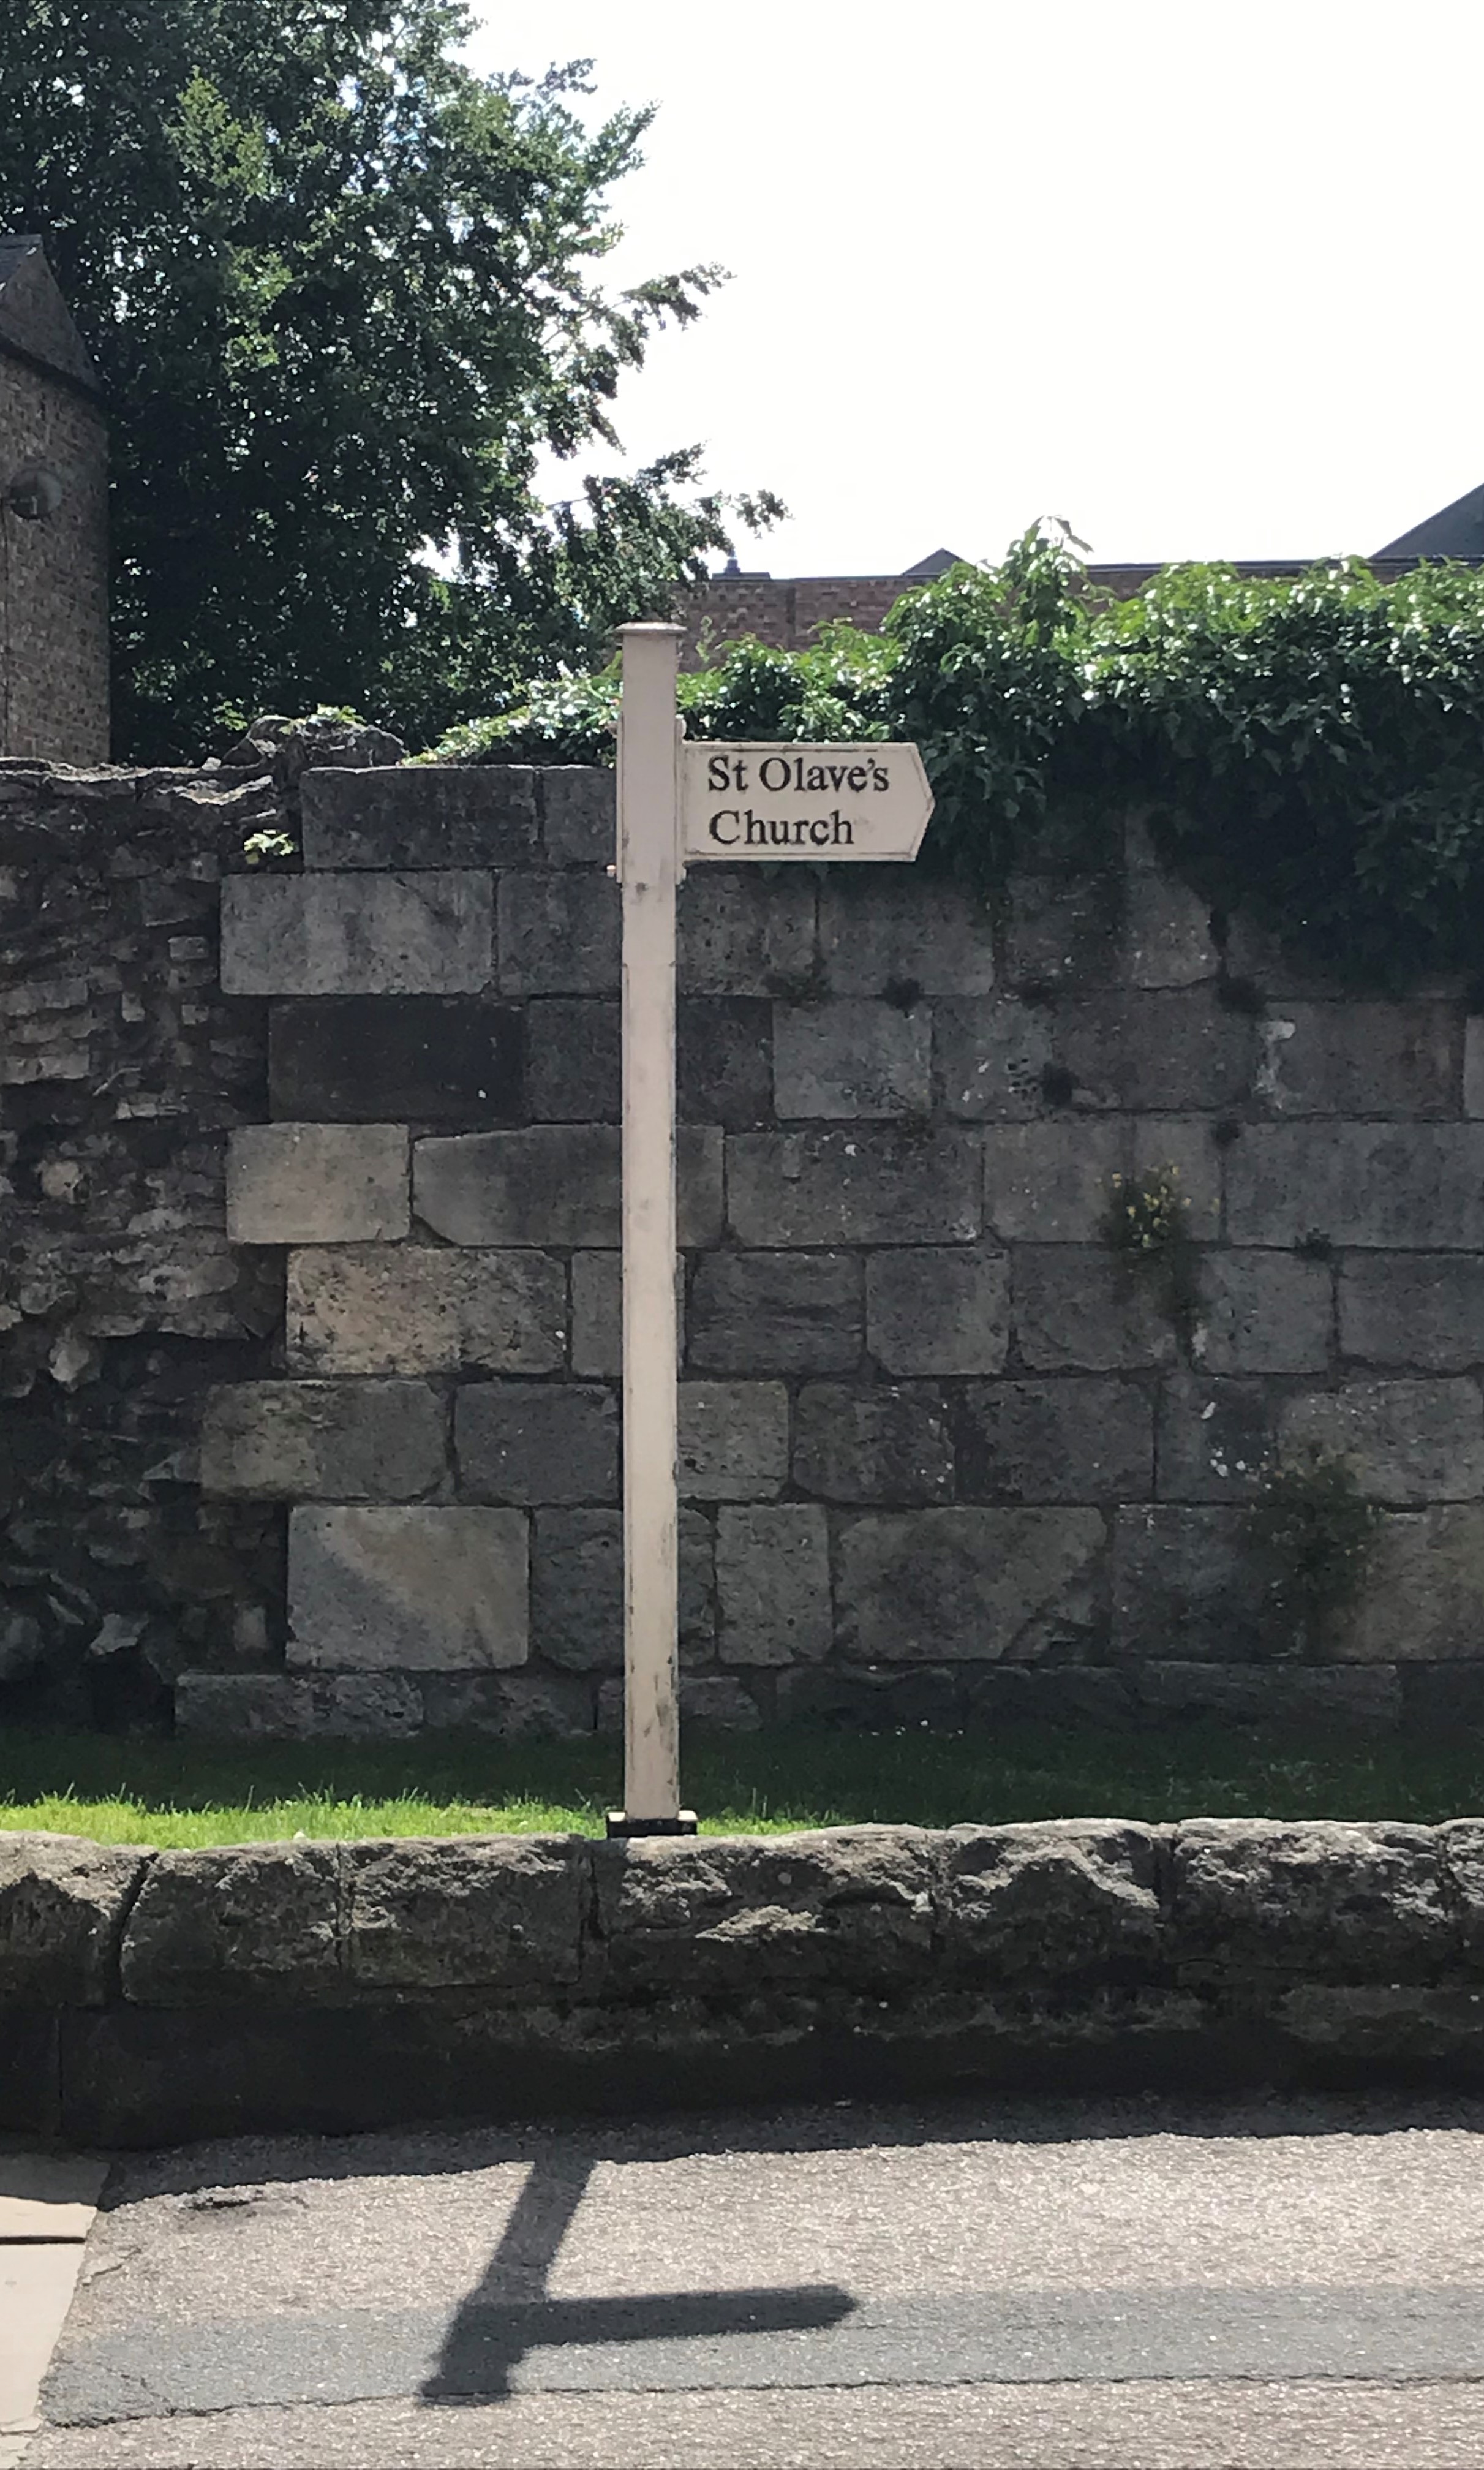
(1147, 1228)
(1314, 1531)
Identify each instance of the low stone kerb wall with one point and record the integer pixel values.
(149, 1997)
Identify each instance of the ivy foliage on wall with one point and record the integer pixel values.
(1310, 751)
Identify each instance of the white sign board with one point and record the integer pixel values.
(808, 803)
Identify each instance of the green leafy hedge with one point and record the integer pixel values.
(1309, 750)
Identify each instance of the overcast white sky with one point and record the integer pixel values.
(1201, 279)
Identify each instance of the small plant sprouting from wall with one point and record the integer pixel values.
(1147, 1228)
(1313, 1529)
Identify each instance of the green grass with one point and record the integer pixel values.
(120, 1790)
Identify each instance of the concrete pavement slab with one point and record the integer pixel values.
(48, 2195)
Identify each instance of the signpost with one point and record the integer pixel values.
(679, 804)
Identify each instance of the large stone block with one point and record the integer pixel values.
(1215, 1437)
(889, 931)
(1166, 1050)
(1263, 1312)
(1188, 1148)
(1053, 1182)
(938, 1309)
(597, 1314)
(580, 814)
(533, 1442)
(1186, 1583)
(1422, 1596)
(1409, 1441)
(1063, 1897)
(1063, 929)
(420, 815)
(554, 1184)
(1077, 1307)
(882, 1443)
(418, 1058)
(775, 1311)
(956, 1585)
(503, 1913)
(957, 1697)
(573, 1071)
(578, 1589)
(723, 1061)
(882, 1186)
(773, 1585)
(407, 1590)
(418, 1308)
(1362, 1059)
(324, 1440)
(1167, 926)
(851, 1060)
(1323, 1901)
(1055, 1440)
(237, 1923)
(364, 1706)
(508, 1706)
(63, 1905)
(558, 935)
(244, 1705)
(746, 931)
(1422, 1311)
(357, 934)
(1362, 1698)
(317, 1183)
(1386, 1187)
(993, 1057)
(734, 1439)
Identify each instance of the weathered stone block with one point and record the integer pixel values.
(724, 1061)
(1185, 1146)
(1362, 1697)
(888, 930)
(508, 1706)
(364, 1706)
(244, 1707)
(1077, 1307)
(62, 1904)
(953, 1697)
(1386, 1187)
(412, 1590)
(937, 1308)
(734, 1439)
(417, 1307)
(324, 1440)
(527, 1441)
(1066, 1897)
(1167, 926)
(357, 934)
(1323, 1901)
(773, 1585)
(1409, 1441)
(876, 1444)
(558, 935)
(1214, 1438)
(420, 815)
(749, 931)
(952, 1585)
(554, 1184)
(578, 1589)
(581, 814)
(851, 1060)
(1186, 1583)
(1063, 929)
(317, 1183)
(882, 1186)
(236, 1922)
(1421, 1310)
(1439, 1698)
(1169, 1050)
(1053, 1182)
(502, 1912)
(597, 1314)
(1474, 1066)
(775, 1311)
(1055, 1440)
(1422, 1596)
(419, 1059)
(1263, 1312)
(1362, 1059)
(573, 1069)
(992, 1057)
(715, 1699)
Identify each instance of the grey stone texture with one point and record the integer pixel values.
(1474, 1066)
(851, 1059)
(1186, 1585)
(1167, 927)
(1324, 1901)
(991, 1057)
(1063, 928)
(580, 826)
(325, 1440)
(407, 1590)
(507, 1706)
(1164, 1051)
(357, 934)
(747, 931)
(1350, 1058)
(428, 1060)
(1214, 1438)
(530, 1441)
(1072, 1440)
(888, 931)
(578, 1589)
(886, 1443)
(773, 1590)
(1264, 1312)
(395, 818)
(937, 1308)
(775, 1311)
(262, 1917)
(875, 1186)
(554, 1184)
(1423, 1596)
(463, 1913)
(415, 1308)
(952, 1585)
(558, 935)
(716, 1701)
(1415, 1311)
(1077, 1307)
(573, 1072)
(1357, 1697)
(1379, 1187)
(1410, 1442)
(317, 1183)
(723, 1061)
(1053, 1182)
(734, 1439)
(61, 1910)
(1071, 1896)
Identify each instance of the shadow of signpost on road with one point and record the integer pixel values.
(510, 2314)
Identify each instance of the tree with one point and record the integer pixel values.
(342, 293)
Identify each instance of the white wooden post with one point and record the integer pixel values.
(648, 871)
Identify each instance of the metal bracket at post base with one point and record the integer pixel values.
(684, 1823)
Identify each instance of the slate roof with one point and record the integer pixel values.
(34, 319)
(1453, 531)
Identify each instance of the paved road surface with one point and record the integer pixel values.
(1285, 2286)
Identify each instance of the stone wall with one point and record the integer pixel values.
(147, 1997)
(942, 1458)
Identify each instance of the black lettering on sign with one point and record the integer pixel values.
(717, 776)
(728, 815)
(756, 831)
(772, 773)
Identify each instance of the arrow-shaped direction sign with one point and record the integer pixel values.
(808, 803)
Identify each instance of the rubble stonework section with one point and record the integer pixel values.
(147, 1996)
(329, 1226)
